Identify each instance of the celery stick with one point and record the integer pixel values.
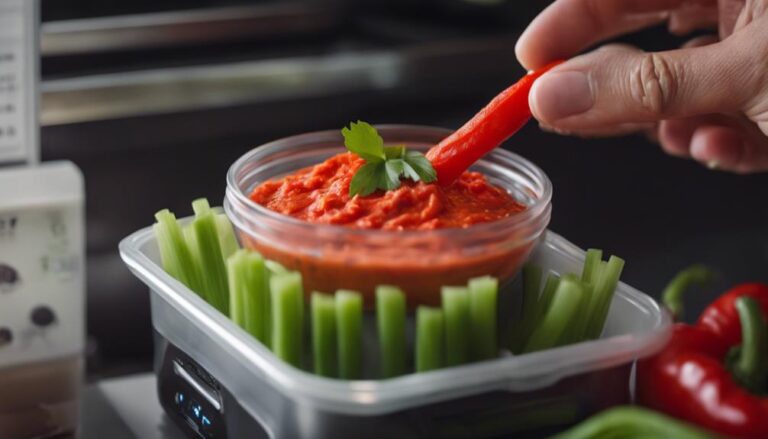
(324, 334)
(604, 289)
(211, 262)
(227, 239)
(287, 317)
(483, 292)
(200, 206)
(390, 321)
(592, 265)
(238, 287)
(531, 287)
(430, 333)
(545, 300)
(276, 267)
(456, 311)
(257, 304)
(273, 268)
(248, 291)
(550, 286)
(578, 328)
(191, 239)
(564, 306)
(175, 255)
(349, 329)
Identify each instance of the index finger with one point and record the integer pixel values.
(567, 27)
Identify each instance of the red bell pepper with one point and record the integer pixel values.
(494, 124)
(714, 373)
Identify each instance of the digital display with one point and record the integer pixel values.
(194, 412)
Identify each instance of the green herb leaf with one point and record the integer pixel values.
(394, 152)
(363, 139)
(385, 165)
(410, 172)
(361, 181)
(421, 165)
(394, 168)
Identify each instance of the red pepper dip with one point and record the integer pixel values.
(417, 258)
(320, 194)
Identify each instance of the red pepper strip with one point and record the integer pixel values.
(690, 378)
(498, 121)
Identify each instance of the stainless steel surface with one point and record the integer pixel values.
(152, 30)
(98, 419)
(126, 407)
(124, 95)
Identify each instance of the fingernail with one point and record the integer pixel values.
(713, 164)
(558, 95)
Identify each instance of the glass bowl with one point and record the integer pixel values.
(332, 257)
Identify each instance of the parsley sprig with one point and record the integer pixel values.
(385, 165)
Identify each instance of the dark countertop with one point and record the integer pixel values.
(125, 408)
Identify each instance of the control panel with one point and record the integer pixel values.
(192, 397)
(18, 81)
(42, 291)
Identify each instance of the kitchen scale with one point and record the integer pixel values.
(42, 236)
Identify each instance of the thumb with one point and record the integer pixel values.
(618, 85)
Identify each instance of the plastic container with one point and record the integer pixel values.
(531, 394)
(332, 256)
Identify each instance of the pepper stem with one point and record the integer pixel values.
(672, 297)
(751, 363)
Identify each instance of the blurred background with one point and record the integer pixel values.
(154, 99)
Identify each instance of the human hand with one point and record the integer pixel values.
(707, 100)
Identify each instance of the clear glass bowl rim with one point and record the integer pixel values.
(533, 212)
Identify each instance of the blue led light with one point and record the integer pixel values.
(206, 421)
(179, 398)
(196, 409)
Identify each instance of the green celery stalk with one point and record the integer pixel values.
(207, 251)
(390, 322)
(456, 311)
(175, 255)
(578, 328)
(238, 288)
(201, 206)
(276, 267)
(430, 333)
(531, 286)
(324, 334)
(565, 305)
(191, 239)
(273, 268)
(592, 265)
(349, 329)
(550, 286)
(248, 293)
(483, 292)
(287, 317)
(227, 239)
(604, 289)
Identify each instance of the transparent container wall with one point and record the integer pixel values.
(532, 394)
